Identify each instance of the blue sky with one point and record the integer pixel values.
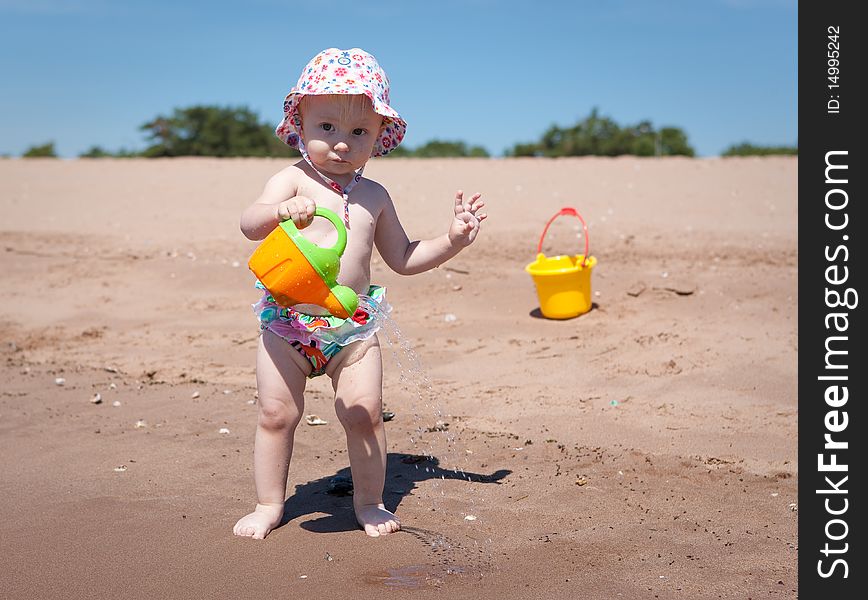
(493, 73)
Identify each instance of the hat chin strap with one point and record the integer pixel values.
(343, 191)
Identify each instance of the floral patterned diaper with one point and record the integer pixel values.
(319, 337)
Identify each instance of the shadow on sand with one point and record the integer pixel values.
(333, 494)
(537, 313)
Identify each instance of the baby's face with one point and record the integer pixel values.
(339, 133)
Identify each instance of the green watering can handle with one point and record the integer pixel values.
(291, 230)
(341, 245)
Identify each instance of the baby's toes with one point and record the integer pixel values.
(372, 530)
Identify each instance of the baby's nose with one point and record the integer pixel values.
(341, 147)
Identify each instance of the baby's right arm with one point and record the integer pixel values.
(278, 202)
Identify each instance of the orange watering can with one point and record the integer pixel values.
(563, 283)
(296, 271)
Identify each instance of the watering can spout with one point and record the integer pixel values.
(343, 300)
(296, 271)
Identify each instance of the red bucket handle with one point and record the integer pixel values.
(573, 213)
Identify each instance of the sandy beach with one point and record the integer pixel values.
(646, 449)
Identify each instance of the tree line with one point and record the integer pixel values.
(601, 136)
(237, 131)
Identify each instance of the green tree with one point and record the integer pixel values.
(43, 151)
(531, 149)
(673, 142)
(213, 131)
(441, 149)
(748, 149)
(400, 152)
(95, 152)
(100, 152)
(601, 136)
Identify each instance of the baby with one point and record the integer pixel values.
(338, 116)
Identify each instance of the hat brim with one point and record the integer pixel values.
(392, 133)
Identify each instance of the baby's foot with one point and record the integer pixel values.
(376, 520)
(260, 522)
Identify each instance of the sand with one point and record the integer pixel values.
(646, 449)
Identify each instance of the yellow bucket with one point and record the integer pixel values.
(563, 283)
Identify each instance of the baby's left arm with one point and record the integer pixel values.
(409, 258)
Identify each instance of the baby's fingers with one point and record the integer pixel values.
(459, 202)
(299, 217)
(302, 211)
(468, 206)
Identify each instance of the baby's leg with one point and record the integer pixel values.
(357, 377)
(280, 378)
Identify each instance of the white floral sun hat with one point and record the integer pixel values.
(335, 71)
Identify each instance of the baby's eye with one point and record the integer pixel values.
(359, 131)
(327, 127)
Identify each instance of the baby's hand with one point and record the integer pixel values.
(298, 209)
(465, 225)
